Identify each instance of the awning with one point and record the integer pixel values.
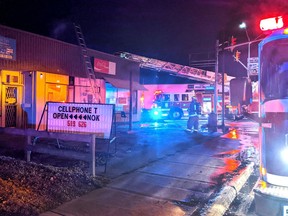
(125, 84)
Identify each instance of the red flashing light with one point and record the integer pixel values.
(271, 23)
(233, 41)
(157, 92)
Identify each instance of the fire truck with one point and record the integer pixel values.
(271, 194)
(174, 105)
(171, 105)
(171, 101)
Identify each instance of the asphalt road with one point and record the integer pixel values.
(160, 169)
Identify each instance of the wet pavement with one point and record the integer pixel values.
(160, 169)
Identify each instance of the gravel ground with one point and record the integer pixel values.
(30, 188)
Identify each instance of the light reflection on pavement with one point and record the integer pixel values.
(165, 172)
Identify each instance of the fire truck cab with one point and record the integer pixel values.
(271, 195)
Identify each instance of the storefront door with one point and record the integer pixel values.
(11, 116)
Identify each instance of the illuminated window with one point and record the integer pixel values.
(56, 92)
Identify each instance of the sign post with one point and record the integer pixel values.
(81, 118)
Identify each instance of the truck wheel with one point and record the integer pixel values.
(176, 114)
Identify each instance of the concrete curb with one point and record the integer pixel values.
(226, 196)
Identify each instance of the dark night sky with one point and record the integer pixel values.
(168, 30)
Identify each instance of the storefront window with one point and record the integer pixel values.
(56, 92)
(121, 98)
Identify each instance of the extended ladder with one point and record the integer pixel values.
(88, 66)
(174, 69)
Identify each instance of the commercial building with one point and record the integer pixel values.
(35, 69)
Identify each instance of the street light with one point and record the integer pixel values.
(243, 26)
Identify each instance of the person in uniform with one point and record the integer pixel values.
(194, 111)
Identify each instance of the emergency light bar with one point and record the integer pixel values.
(272, 23)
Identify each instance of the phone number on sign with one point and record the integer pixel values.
(74, 124)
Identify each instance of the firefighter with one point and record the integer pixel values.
(194, 111)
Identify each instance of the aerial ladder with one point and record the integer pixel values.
(174, 69)
(88, 66)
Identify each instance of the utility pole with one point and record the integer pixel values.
(243, 25)
(222, 84)
(248, 58)
(223, 100)
(216, 77)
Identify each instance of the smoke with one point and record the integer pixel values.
(59, 29)
(63, 30)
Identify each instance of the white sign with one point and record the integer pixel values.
(80, 118)
(253, 66)
(7, 48)
(201, 86)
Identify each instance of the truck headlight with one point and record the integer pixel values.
(284, 154)
(156, 112)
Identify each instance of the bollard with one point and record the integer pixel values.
(212, 122)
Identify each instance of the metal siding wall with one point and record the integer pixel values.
(39, 53)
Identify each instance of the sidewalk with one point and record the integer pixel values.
(158, 171)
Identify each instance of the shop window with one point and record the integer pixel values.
(11, 79)
(122, 100)
(57, 93)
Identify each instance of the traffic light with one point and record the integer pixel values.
(232, 43)
(237, 56)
